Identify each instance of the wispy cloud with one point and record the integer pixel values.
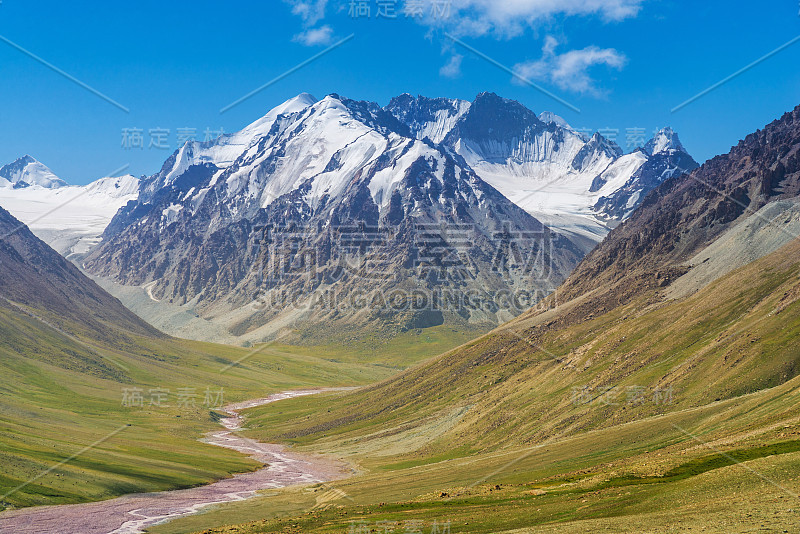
(452, 69)
(569, 71)
(315, 36)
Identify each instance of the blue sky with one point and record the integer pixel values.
(624, 63)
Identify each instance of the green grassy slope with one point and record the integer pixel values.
(718, 467)
(63, 390)
(69, 355)
(520, 384)
(501, 410)
(400, 351)
(61, 394)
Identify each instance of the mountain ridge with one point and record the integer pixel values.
(581, 187)
(70, 218)
(355, 176)
(36, 277)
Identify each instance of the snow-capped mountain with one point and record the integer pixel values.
(71, 219)
(25, 172)
(330, 199)
(665, 142)
(428, 117)
(579, 186)
(625, 184)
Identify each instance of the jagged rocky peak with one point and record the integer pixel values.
(598, 151)
(548, 117)
(428, 117)
(605, 145)
(491, 117)
(368, 113)
(546, 167)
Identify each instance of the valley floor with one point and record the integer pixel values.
(132, 513)
(721, 468)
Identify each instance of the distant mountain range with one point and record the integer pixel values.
(71, 219)
(316, 213)
(311, 213)
(581, 187)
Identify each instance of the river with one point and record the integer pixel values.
(131, 514)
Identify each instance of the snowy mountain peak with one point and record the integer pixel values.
(548, 117)
(70, 218)
(340, 172)
(220, 153)
(303, 99)
(261, 126)
(27, 171)
(664, 141)
(595, 155)
(307, 153)
(606, 145)
(293, 105)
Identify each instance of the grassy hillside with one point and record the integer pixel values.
(528, 408)
(725, 467)
(74, 360)
(400, 351)
(62, 393)
(522, 384)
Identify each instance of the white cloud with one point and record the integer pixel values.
(315, 36)
(509, 18)
(311, 11)
(453, 67)
(570, 70)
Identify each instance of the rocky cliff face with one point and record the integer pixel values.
(684, 215)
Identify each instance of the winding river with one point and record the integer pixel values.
(131, 514)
